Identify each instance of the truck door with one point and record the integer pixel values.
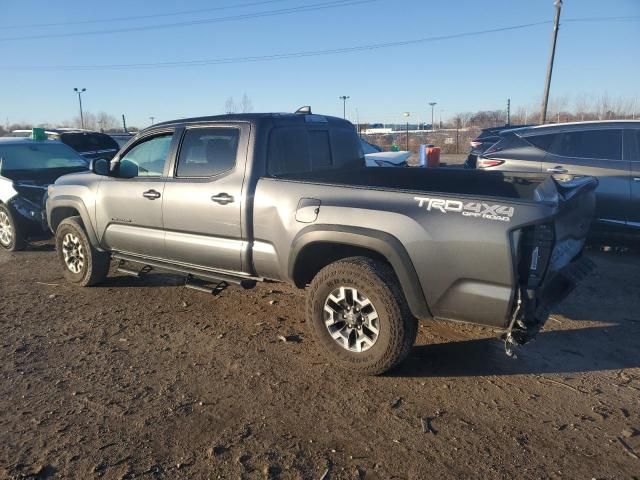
(129, 203)
(203, 198)
(632, 151)
(597, 153)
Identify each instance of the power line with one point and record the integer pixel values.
(140, 17)
(266, 13)
(630, 18)
(279, 56)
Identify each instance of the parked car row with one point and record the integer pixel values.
(607, 150)
(237, 199)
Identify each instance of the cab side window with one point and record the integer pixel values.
(207, 152)
(146, 159)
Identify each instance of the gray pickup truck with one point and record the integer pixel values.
(237, 199)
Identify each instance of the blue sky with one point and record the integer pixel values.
(462, 74)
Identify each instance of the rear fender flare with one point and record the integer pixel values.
(380, 242)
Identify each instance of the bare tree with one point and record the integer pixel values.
(107, 122)
(230, 105)
(246, 106)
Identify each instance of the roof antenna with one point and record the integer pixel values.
(306, 110)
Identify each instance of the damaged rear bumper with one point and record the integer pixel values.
(534, 306)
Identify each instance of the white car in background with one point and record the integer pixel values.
(375, 157)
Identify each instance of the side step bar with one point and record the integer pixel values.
(134, 273)
(201, 286)
(191, 274)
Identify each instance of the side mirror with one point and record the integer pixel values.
(128, 169)
(99, 166)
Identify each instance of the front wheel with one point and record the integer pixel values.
(359, 315)
(11, 233)
(82, 263)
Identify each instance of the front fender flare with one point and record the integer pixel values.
(67, 201)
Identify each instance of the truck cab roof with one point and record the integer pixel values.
(277, 119)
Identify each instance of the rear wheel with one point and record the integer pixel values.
(359, 315)
(82, 263)
(11, 232)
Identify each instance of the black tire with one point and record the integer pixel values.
(397, 326)
(94, 265)
(18, 240)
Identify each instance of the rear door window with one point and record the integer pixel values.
(632, 145)
(601, 144)
(207, 152)
(543, 142)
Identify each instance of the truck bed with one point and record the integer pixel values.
(445, 181)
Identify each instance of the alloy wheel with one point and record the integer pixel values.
(351, 319)
(6, 231)
(73, 252)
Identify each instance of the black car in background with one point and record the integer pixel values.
(486, 138)
(607, 150)
(91, 145)
(88, 143)
(27, 168)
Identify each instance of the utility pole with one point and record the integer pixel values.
(124, 124)
(344, 99)
(407, 115)
(80, 92)
(508, 111)
(433, 104)
(152, 119)
(554, 38)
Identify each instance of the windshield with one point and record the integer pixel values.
(39, 156)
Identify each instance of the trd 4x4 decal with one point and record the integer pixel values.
(471, 209)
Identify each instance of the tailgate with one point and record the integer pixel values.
(550, 259)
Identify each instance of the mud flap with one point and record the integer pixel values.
(534, 306)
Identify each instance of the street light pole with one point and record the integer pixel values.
(407, 115)
(433, 104)
(554, 38)
(80, 92)
(152, 119)
(344, 99)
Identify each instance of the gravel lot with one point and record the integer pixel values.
(142, 378)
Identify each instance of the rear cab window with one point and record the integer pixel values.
(304, 149)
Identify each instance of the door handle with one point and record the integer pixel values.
(636, 179)
(557, 169)
(222, 198)
(151, 194)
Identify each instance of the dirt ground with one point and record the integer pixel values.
(142, 378)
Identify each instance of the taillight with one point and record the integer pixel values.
(476, 143)
(537, 248)
(488, 163)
